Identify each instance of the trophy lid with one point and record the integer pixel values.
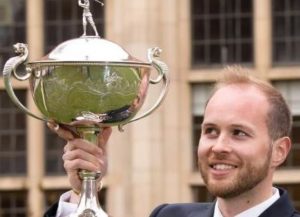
(89, 50)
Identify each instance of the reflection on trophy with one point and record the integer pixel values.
(86, 84)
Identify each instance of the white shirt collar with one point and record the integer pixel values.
(65, 208)
(253, 211)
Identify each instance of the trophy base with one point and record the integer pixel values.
(90, 213)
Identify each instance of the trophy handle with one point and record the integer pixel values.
(11, 66)
(163, 75)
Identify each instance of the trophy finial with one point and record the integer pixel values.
(87, 15)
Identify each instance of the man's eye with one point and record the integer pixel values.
(210, 131)
(239, 133)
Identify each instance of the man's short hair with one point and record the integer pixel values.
(279, 119)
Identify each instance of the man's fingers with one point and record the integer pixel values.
(68, 134)
(85, 146)
(85, 156)
(75, 165)
(62, 132)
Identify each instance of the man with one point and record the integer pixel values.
(244, 138)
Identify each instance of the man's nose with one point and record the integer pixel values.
(221, 145)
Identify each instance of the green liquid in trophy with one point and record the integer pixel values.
(63, 92)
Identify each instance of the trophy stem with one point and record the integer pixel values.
(89, 203)
(89, 133)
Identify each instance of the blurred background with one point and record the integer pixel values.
(154, 160)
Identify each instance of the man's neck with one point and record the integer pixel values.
(232, 206)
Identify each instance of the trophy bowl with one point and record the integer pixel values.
(87, 81)
(86, 84)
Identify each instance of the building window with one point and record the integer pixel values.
(12, 135)
(200, 94)
(293, 159)
(197, 121)
(222, 32)
(286, 31)
(52, 196)
(13, 204)
(12, 27)
(53, 154)
(63, 21)
(290, 91)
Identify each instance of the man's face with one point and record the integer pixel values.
(235, 149)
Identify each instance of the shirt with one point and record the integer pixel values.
(253, 211)
(65, 208)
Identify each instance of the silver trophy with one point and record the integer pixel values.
(85, 84)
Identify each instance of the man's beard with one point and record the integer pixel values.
(245, 180)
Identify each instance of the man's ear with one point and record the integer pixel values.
(281, 148)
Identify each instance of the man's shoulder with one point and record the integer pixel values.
(51, 212)
(296, 214)
(283, 207)
(183, 209)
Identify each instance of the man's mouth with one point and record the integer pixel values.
(222, 166)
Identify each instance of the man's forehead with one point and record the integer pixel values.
(237, 98)
(239, 91)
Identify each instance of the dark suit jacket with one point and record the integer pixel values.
(51, 212)
(281, 208)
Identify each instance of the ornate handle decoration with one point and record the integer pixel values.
(162, 69)
(11, 66)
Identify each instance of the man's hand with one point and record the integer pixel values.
(82, 154)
